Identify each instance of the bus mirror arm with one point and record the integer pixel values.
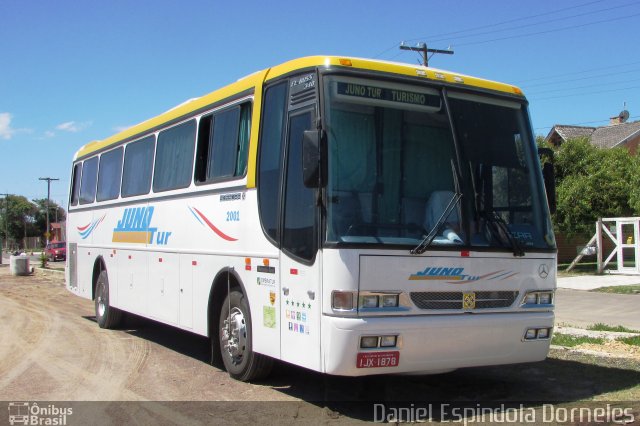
(313, 158)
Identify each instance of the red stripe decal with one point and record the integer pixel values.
(213, 227)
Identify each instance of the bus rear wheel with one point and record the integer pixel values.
(235, 337)
(106, 315)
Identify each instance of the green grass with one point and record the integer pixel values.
(571, 341)
(633, 341)
(587, 268)
(604, 327)
(620, 289)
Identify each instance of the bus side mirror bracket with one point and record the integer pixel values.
(549, 175)
(313, 158)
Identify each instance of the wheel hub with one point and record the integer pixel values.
(234, 334)
(101, 305)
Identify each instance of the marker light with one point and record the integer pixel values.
(342, 300)
(368, 342)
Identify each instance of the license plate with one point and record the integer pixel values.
(378, 359)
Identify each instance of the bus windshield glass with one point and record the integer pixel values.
(397, 174)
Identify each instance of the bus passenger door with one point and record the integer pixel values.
(300, 259)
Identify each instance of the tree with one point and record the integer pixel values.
(19, 219)
(56, 213)
(592, 183)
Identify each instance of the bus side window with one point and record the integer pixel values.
(174, 157)
(109, 175)
(138, 163)
(75, 184)
(89, 179)
(223, 142)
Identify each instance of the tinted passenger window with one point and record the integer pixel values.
(109, 175)
(89, 178)
(138, 163)
(75, 184)
(223, 143)
(270, 158)
(174, 157)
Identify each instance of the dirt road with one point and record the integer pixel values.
(51, 349)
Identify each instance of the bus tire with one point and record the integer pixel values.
(106, 315)
(235, 337)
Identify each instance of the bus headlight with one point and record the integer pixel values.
(544, 298)
(538, 299)
(390, 301)
(374, 301)
(368, 342)
(388, 341)
(370, 301)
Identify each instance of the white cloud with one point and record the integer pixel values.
(49, 134)
(121, 128)
(6, 132)
(73, 126)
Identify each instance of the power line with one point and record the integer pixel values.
(549, 31)
(523, 18)
(606, 84)
(535, 23)
(583, 94)
(579, 72)
(635, 70)
(581, 123)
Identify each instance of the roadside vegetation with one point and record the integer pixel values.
(622, 289)
(604, 327)
(569, 341)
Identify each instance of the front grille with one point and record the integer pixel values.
(439, 300)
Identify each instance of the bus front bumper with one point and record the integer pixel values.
(433, 343)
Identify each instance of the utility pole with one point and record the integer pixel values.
(48, 179)
(422, 48)
(6, 224)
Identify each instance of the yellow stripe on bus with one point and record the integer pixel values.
(139, 237)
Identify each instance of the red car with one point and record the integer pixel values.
(56, 250)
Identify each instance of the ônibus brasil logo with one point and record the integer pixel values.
(26, 413)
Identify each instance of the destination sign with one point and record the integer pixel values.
(390, 95)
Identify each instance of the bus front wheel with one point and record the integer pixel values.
(106, 315)
(234, 331)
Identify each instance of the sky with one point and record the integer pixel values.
(72, 72)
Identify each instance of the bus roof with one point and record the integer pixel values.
(251, 81)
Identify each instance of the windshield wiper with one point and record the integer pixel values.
(499, 228)
(422, 247)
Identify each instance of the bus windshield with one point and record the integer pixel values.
(397, 174)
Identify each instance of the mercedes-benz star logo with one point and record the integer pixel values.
(543, 271)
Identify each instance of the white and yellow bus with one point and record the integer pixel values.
(345, 215)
